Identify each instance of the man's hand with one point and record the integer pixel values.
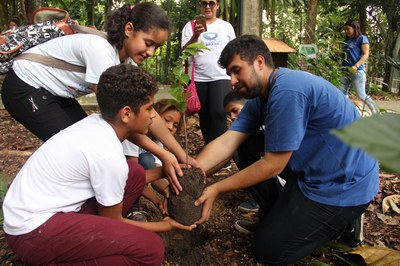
(207, 198)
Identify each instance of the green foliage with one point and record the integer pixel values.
(179, 78)
(288, 25)
(377, 135)
(394, 63)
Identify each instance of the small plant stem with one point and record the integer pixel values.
(186, 139)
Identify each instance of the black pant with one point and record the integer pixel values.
(291, 225)
(212, 113)
(37, 109)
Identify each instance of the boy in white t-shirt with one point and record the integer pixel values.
(66, 205)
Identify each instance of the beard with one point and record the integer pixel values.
(252, 90)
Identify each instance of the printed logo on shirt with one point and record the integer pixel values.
(211, 39)
(209, 36)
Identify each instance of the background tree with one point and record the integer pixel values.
(293, 21)
(312, 7)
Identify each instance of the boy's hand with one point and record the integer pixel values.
(163, 206)
(172, 224)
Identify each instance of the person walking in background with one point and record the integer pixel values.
(212, 83)
(356, 52)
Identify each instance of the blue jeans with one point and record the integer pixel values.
(358, 81)
(147, 160)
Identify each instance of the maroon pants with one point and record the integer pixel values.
(87, 239)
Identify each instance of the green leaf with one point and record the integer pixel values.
(185, 78)
(378, 135)
(197, 45)
(179, 104)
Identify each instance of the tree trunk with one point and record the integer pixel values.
(361, 10)
(272, 18)
(3, 15)
(234, 17)
(29, 8)
(390, 8)
(312, 6)
(90, 12)
(251, 12)
(395, 73)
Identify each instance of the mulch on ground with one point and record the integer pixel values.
(224, 245)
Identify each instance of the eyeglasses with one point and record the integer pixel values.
(204, 4)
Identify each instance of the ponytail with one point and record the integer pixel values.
(144, 17)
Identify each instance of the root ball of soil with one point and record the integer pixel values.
(181, 207)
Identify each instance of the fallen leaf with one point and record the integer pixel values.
(389, 220)
(390, 202)
(386, 175)
(378, 256)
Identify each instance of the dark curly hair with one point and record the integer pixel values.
(144, 17)
(233, 96)
(124, 85)
(248, 47)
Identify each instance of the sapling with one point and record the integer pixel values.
(180, 81)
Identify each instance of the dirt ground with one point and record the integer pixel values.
(222, 245)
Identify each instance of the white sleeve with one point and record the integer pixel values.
(99, 55)
(187, 33)
(157, 160)
(231, 32)
(130, 149)
(108, 178)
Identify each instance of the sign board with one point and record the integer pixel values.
(308, 50)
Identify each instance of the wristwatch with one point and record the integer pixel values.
(357, 66)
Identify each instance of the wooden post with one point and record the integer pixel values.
(251, 17)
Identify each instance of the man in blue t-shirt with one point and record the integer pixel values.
(328, 183)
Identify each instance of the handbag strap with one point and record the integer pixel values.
(193, 60)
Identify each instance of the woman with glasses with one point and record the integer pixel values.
(212, 83)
